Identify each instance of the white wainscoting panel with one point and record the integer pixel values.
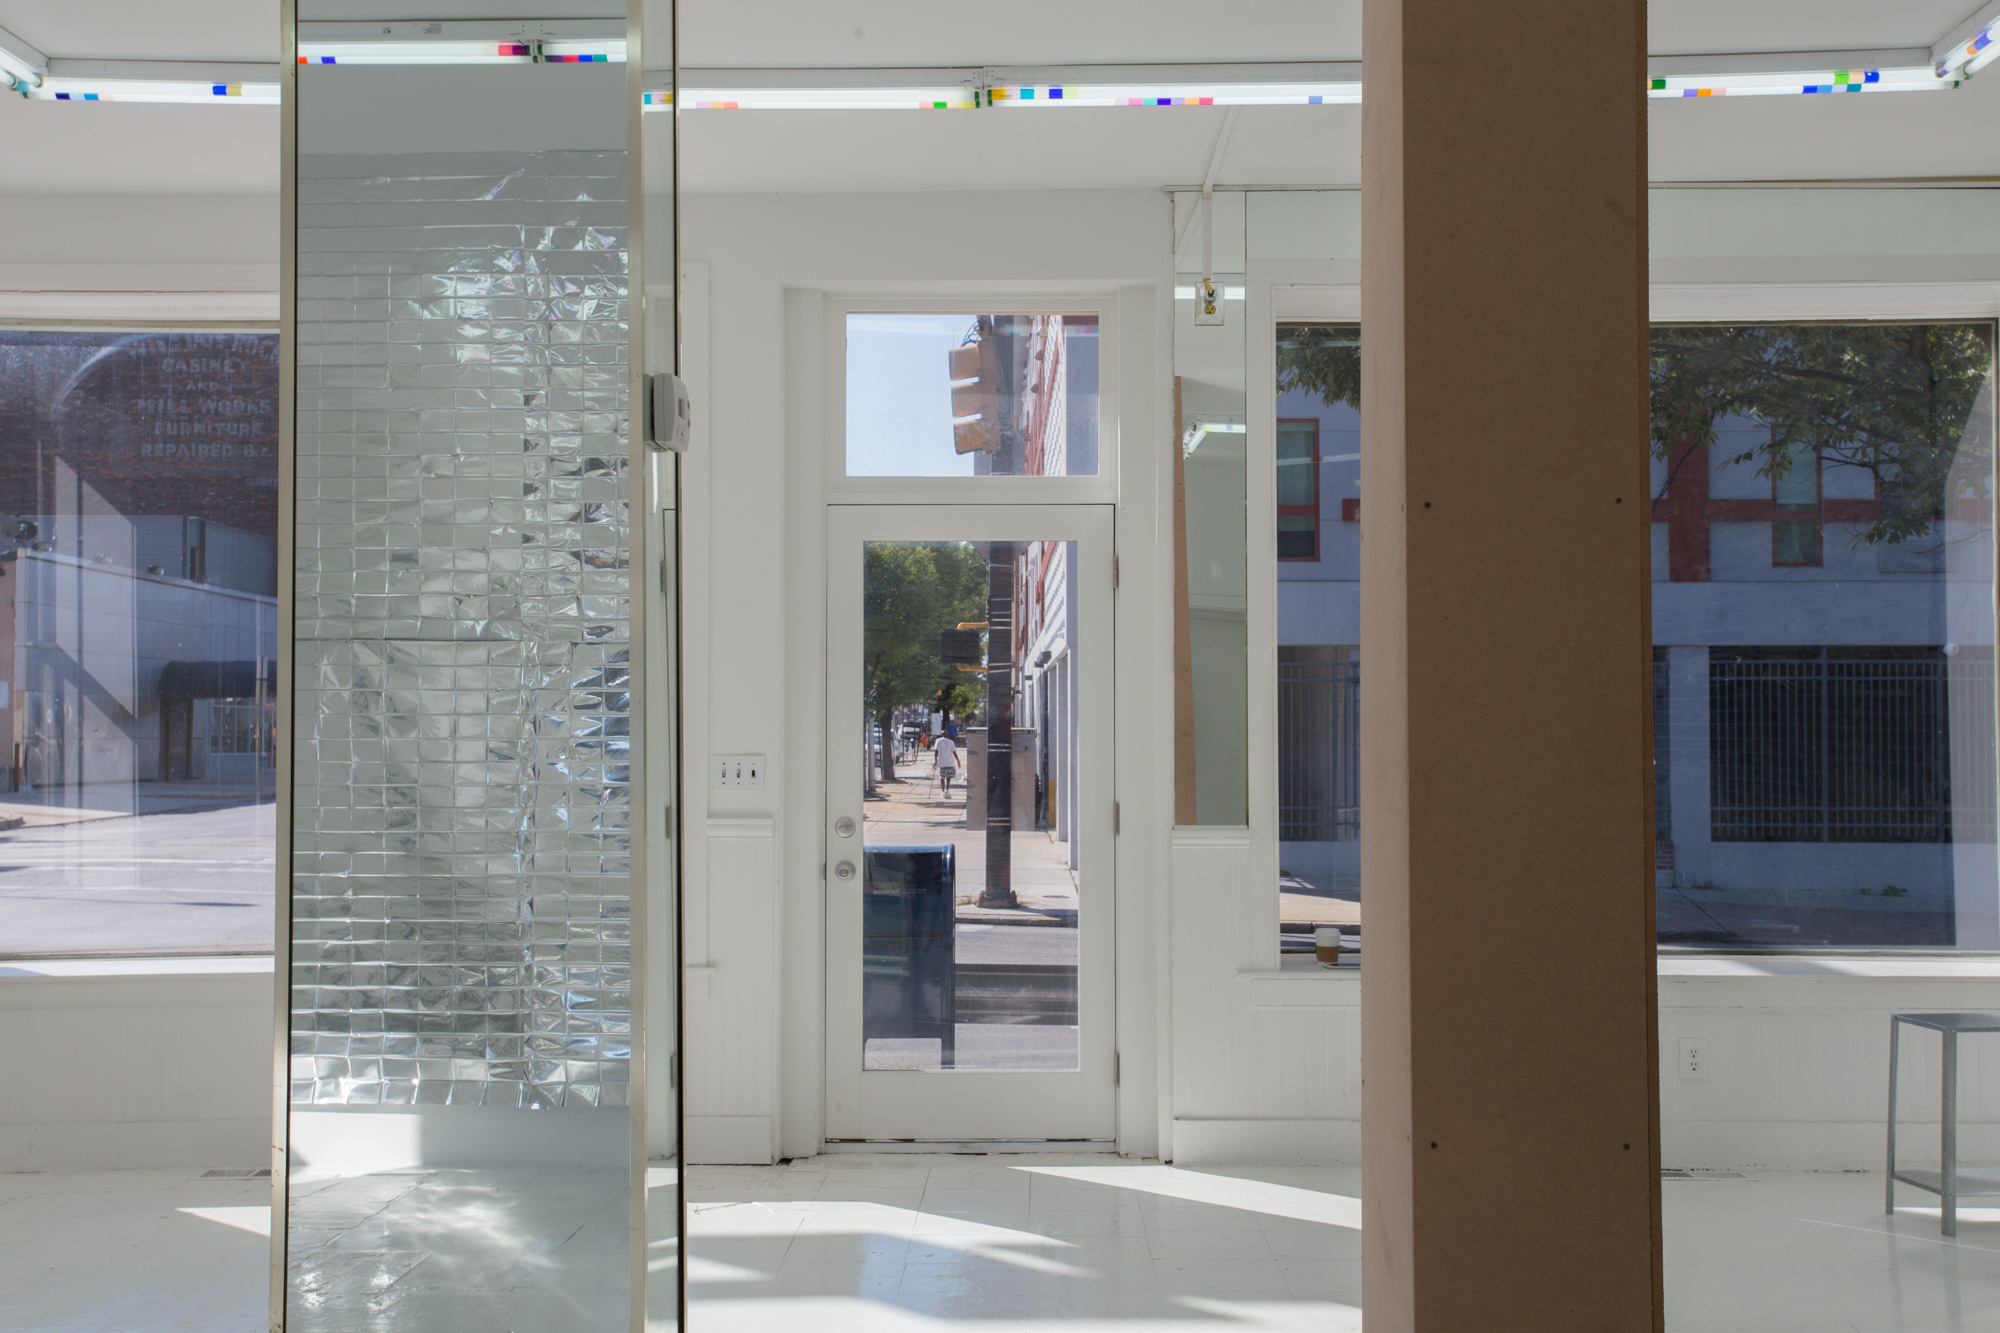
(1798, 1061)
(1266, 1064)
(732, 999)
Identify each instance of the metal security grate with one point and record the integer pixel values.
(1850, 745)
(1319, 744)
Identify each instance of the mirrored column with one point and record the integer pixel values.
(460, 909)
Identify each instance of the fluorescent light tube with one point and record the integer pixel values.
(417, 53)
(1197, 431)
(1175, 94)
(580, 51)
(57, 88)
(21, 65)
(952, 88)
(1797, 83)
(817, 99)
(1970, 46)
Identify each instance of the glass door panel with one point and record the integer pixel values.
(969, 897)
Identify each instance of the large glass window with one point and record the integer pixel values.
(138, 591)
(1823, 610)
(1823, 676)
(1319, 633)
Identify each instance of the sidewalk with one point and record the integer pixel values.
(913, 812)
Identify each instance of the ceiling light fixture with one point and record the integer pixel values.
(579, 42)
(59, 89)
(22, 67)
(966, 89)
(169, 81)
(416, 53)
(818, 99)
(1197, 431)
(1803, 74)
(1971, 46)
(1176, 93)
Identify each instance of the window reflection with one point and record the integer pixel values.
(1319, 632)
(1823, 581)
(1823, 678)
(138, 583)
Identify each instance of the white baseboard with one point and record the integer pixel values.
(730, 1140)
(378, 1138)
(1295, 1142)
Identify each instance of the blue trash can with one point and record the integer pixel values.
(907, 945)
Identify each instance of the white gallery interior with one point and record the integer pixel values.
(1193, 1153)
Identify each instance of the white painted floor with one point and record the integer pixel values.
(1043, 1244)
(891, 1243)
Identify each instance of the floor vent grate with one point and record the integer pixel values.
(237, 1173)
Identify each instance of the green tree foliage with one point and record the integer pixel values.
(911, 592)
(1322, 359)
(1900, 401)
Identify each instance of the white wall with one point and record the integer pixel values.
(141, 1063)
(753, 663)
(113, 256)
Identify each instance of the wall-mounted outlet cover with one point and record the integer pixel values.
(1694, 1058)
(736, 772)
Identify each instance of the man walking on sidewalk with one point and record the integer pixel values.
(947, 761)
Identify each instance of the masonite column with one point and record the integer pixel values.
(1510, 1166)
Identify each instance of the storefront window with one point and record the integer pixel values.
(138, 592)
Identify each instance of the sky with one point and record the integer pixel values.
(899, 395)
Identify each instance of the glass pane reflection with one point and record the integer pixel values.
(969, 881)
(1823, 615)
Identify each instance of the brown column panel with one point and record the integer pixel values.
(1510, 1121)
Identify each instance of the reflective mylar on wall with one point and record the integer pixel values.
(460, 910)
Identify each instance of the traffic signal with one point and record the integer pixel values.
(975, 397)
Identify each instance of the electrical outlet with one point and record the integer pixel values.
(1694, 1057)
(736, 772)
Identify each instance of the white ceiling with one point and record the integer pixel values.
(48, 147)
(929, 32)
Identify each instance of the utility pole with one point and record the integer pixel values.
(999, 890)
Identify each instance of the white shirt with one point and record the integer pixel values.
(947, 753)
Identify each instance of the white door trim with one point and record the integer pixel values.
(973, 1105)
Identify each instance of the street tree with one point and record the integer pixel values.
(911, 593)
(1909, 404)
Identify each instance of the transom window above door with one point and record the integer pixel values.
(970, 394)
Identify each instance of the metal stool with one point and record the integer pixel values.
(1947, 1182)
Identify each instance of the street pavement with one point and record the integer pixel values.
(168, 883)
(914, 811)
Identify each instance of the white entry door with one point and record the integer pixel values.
(969, 902)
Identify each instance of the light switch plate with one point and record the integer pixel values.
(736, 772)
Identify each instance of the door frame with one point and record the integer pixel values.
(973, 1106)
(786, 1077)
